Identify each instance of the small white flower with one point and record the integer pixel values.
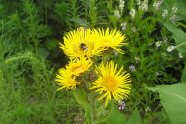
(180, 55)
(137, 59)
(157, 73)
(170, 48)
(164, 54)
(148, 109)
(174, 9)
(132, 12)
(138, 2)
(165, 12)
(116, 13)
(158, 43)
(144, 5)
(121, 4)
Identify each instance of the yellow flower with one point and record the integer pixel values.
(65, 79)
(79, 66)
(74, 69)
(111, 82)
(110, 39)
(80, 43)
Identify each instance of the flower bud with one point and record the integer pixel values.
(79, 119)
(91, 75)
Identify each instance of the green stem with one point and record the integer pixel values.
(92, 100)
(182, 44)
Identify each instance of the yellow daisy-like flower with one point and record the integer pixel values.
(65, 79)
(110, 39)
(80, 43)
(79, 66)
(74, 69)
(112, 83)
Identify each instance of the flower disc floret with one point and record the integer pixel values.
(111, 83)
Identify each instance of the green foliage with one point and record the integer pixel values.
(117, 117)
(81, 96)
(179, 37)
(173, 98)
(30, 56)
(134, 118)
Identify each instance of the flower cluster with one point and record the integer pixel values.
(132, 12)
(82, 46)
(157, 4)
(121, 5)
(124, 26)
(143, 5)
(165, 12)
(116, 13)
(121, 105)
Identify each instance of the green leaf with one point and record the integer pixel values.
(87, 114)
(183, 76)
(135, 118)
(180, 37)
(116, 117)
(103, 113)
(173, 99)
(81, 96)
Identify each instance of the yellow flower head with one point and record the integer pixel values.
(74, 69)
(110, 39)
(79, 66)
(65, 79)
(80, 43)
(111, 82)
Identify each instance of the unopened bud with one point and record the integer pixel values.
(79, 119)
(91, 75)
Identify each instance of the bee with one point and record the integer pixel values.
(84, 47)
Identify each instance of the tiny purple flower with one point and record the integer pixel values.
(137, 59)
(116, 53)
(118, 16)
(124, 28)
(121, 105)
(132, 68)
(172, 19)
(165, 40)
(122, 24)
(133, 29)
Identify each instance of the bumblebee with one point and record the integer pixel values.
(84, 47)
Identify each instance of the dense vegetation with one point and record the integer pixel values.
(30, 58)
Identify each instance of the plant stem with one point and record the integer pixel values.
(182, 44)
(92, 100)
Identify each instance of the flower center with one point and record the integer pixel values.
(71, 82)
(77, 70)
(110, 83)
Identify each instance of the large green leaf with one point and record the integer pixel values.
(173, 99)
(104, 112)
(116, 117)
(81, 96)
(179, 36)
(183, 76)
(135, 118)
